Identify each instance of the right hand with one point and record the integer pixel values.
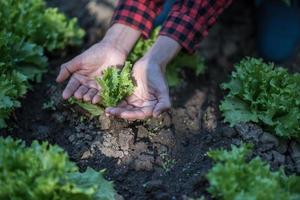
(150, 96)
(84, 68)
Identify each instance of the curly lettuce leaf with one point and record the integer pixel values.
(32, 20)
(93, 182)
(43, 171)
(94, 109)
(12, 87)
(115, 85)
(233, 177)
(142, 46)
(262, 93)
(192, 61)
(20, 62)
(28, 28)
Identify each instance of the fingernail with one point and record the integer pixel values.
(58, 79)
(65, 97)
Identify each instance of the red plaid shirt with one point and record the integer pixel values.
(188, 21)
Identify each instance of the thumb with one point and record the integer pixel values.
(68, 68)
(163, 104)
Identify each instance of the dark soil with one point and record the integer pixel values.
(162, 158)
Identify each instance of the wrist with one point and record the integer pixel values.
(162, 51)
(121, 37)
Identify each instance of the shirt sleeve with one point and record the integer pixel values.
(190, 20)
(138, 14)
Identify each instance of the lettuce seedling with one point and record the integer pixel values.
(265, 94)
(234, 177)
(94, 109)
(115, 85)
(43, 171)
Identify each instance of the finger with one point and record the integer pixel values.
(96, 99)
(71, 88)
(131, 113)
(82, 90)
(163, 104)
(93, 84)
(87, 81)
(68, 69)
(122, 104)
(90, 94)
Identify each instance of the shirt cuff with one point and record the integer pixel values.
(136, 14)
(185, 30)
(189, 22)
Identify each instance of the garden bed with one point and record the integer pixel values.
(164, 158)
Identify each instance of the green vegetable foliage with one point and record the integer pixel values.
(12, 86)
(46, 27)
(116, 85)
(265, 94)
(27, 29)
(94, 109)
(43, 171)
(234, 178)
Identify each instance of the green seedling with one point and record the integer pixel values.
(49, 105)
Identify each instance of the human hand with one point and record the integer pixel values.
(150, 97)
(84, 68)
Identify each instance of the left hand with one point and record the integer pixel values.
(150, 97)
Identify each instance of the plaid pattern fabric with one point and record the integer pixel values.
(138, 14)
(188, 21)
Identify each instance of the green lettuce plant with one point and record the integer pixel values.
(115, 85)
(43, 171)
(235, 177)
(12, 86)
(265, 94)
(34, 22)
(193, 62)
(142, 46)
(20, 62)
(28, 28)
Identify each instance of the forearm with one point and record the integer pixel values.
(163, 51)
(121, 37)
